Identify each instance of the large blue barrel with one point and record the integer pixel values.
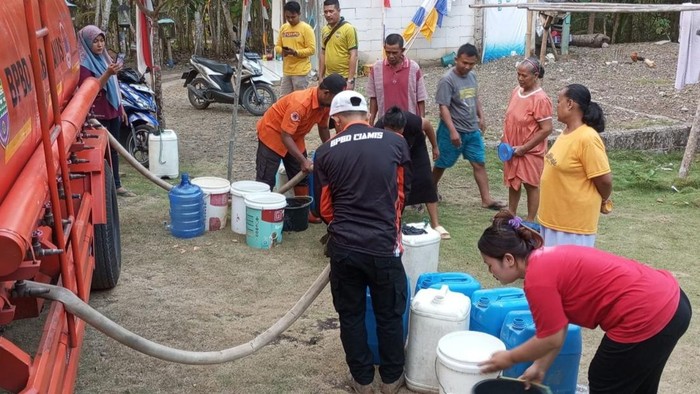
(371, 324)
(459, 282)
(186, 209)
(519, 326)
(490, 307)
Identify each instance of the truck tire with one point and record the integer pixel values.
(108, 244)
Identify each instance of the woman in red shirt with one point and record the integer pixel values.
(642, 310)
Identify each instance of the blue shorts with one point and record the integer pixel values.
(472, 147)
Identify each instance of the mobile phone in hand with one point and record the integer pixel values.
(120, 58)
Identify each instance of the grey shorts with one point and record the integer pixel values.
(291, 83)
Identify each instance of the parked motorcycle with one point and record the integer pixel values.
(213, 82)
(139, 103)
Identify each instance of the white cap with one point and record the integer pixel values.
(348, 100)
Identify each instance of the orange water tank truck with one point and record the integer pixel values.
(59, 221)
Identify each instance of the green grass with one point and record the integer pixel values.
(655, 217)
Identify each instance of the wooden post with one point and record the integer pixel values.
(692, 145)
(237, 88)
(528, 34)
(545, 33)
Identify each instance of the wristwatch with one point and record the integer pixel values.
(352, 81)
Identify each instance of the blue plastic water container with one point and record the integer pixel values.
(371, 324)
(186, 209)
(458, 282)
(490, 307)
(562, 376)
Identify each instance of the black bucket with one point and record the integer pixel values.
(296, 213)
(507, 386)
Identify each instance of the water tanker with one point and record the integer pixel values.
(59, 221)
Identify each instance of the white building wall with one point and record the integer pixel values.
(372, 26)
(366, 16)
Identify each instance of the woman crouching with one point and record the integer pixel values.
(642, 310)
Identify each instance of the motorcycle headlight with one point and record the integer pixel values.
(254, 66)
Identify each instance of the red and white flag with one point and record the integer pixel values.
(144, 54)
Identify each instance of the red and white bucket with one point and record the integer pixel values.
(216, 192)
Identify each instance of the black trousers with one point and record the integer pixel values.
(114, 128)
(626, 368)
(267, 163)
(351, 273)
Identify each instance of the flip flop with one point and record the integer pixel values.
(496, 206)
(444, 234)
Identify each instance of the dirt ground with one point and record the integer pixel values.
(214, 292)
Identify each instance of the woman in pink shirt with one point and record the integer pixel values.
(642, 310)
(527, 124)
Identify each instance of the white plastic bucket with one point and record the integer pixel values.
(458, 356)
(264, 219)
(434, 313)
(163, 159)
(238, 211)
(421, 253)
(281, 180)
(215, 201)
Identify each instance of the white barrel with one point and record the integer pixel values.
(434, 313)
(238, 211)
(163, 159)
(216, 193)
(458, 357)
(421, 252)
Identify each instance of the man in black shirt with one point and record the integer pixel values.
(360, 179)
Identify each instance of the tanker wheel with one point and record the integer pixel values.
(108, 244)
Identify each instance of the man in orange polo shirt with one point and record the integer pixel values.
(282, 129)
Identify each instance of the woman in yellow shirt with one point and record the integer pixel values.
(577, 181)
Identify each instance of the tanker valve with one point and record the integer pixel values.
(21, 290)
(75, 160)
(47, 252)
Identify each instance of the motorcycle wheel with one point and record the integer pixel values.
(199, 84)
(137, 143)
(256, 106)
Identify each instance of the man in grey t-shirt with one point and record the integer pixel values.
(462, 123)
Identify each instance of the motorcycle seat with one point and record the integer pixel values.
(216, 66)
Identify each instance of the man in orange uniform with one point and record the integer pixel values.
(282, 129)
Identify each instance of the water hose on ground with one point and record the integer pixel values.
(165, 185)
(79, 308)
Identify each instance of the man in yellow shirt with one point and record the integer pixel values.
(339, 45)
(296, 43)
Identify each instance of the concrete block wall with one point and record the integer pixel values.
(366, 16)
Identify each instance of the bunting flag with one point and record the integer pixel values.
(144, 54)
(387, 3)
(427, 19)
(434, 19)
(418, 19)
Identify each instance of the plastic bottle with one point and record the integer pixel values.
(186, 209)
